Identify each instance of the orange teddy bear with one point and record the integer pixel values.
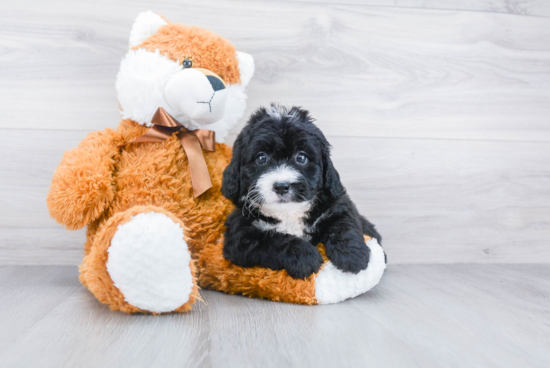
(149, 191)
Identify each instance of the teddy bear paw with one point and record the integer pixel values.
(333, 285)
(150, 263)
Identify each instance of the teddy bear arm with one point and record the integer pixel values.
(82, 185)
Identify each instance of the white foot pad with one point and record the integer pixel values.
(333, 285)
(149, 263)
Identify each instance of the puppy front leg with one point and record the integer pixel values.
(247, 246)
(295, 255)
(345, 245)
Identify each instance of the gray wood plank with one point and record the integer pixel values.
(33, 157)
(419, 316)
(28, 295)
(41, 246)
(78, 331)
(519, 7)
(437, 201)
(434, 201)
(362, 70)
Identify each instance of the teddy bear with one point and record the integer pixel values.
(149, 190)
(148, 207)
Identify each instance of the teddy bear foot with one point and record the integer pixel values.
(140, 262)
(333, 285)
(329, 285)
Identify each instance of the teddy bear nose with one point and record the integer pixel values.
(281, 187)
(196, 93)
(216, 83)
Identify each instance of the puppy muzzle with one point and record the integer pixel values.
(277, 185)
(198, 93)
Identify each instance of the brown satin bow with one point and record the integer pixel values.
(164, 126)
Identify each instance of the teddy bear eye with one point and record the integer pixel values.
(301, 158)
(187, 63)
(261, 159)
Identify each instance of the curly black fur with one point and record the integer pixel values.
(331, 218)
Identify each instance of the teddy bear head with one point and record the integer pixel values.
(196, 75)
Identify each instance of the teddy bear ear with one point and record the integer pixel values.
(146, 24)
(246, 67)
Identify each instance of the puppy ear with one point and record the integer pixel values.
(331, 179)
(231, 184)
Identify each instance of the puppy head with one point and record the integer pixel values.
(280, 159)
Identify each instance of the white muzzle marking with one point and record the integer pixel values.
(190, 92)
(266, 181)
(290, 214)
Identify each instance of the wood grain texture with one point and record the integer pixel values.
(451, 201)
(447, 111)
(519, 7)
(442, 201)
(362, 70)
(418, 316)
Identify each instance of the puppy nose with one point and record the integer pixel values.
(281, 187)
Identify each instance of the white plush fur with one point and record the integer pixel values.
(145, 25)
(149, 263)
(333, 285)
(234, 111)
(246, 67)
(141, 83)
(189, 92)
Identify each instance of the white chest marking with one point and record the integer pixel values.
(290, 215)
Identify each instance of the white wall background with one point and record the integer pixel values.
(438, 111)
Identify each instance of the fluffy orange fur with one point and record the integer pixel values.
(82, 186)
(256, 282)
(207, 49)
(154, 174)
(102, 184)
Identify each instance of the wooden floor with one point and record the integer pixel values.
(419, 316)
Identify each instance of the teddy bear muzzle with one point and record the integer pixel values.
(197, 93)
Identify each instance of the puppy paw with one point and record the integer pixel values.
(349, 255)
(303, 259)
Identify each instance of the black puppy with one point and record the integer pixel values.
(289, 198)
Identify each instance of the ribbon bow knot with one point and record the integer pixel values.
(192, 141)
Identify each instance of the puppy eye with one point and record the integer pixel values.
(261, 159)
(301, 158)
